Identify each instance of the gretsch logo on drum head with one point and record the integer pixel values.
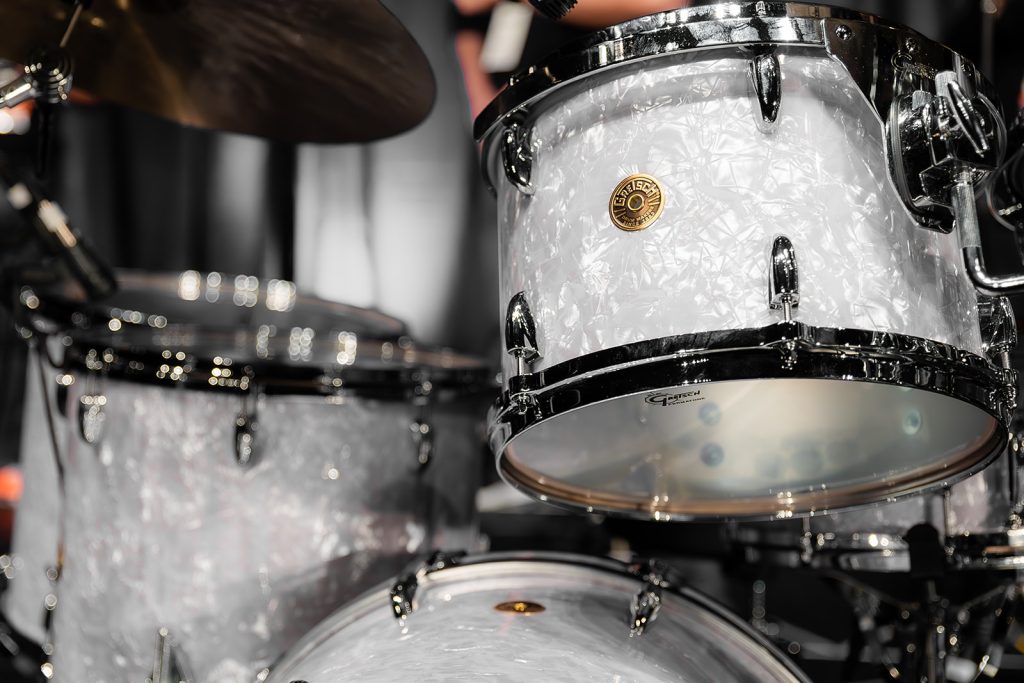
(636, 202)
(662, 399)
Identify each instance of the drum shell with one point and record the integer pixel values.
(166, 530)
(820, 177)
(461, 629)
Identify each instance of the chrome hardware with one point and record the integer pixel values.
(403, 592)
(520, 333)
(245, 439)
(521, 344)
(998, 328)
(644, 608)
(970, 239)
(517, 158)
(940, 139)
(91, 417)
(423, 439)
(766, 77)
(246, 427)
(169, 665)
(783, 278)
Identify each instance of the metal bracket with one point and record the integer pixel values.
(403, 591)
(938, 140)
(998, 328)
(766, 78)
(783, 278)
(517, 158)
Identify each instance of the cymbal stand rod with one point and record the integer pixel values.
(72, 22)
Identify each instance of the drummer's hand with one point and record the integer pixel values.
(600, 13)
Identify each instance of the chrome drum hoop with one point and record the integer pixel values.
(885, 58)
(424, 373)
(649, 573)
(787, 350)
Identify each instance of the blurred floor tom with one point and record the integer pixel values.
(241, 460)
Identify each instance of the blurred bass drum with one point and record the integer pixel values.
(534, 617)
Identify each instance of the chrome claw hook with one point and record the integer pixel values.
(766, 77)
(521, 333)
(783, 278)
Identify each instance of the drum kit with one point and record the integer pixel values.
(741, 282)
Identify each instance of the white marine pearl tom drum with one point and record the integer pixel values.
(240, 460)
(718, 302)
(517, 618)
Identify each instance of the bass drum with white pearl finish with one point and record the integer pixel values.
(721, 298)
(533, 617)
(239, 460)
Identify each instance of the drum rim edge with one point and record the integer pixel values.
(780, 23)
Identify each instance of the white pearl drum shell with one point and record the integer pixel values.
(166, 530)
(820, 178)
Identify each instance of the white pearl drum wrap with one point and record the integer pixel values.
(166, 530)
(820, 178)
(582, 633)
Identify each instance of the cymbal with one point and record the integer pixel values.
(302, 71)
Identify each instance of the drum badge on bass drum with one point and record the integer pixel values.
(636, 203)
(680, 398)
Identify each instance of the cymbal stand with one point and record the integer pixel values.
(47, 80)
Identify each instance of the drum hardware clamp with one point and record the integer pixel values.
(403, 591)
(521, 344)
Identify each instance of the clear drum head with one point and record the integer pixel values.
(548, 617)
(755, 430)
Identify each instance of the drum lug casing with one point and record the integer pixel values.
(766, 77)
(403, 591)
(783, 278)
(517, 157)
(423, 440)
(646, 604)
(92, 417)
(521, 344)
(246, 429)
